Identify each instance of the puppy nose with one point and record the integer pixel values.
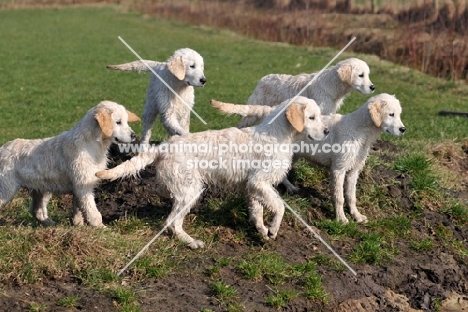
(402, 129)
(326, 131)
(203, 80)
(372, 87)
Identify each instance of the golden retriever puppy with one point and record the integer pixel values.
(346, 148)
(182, 71)
(329, 88)
(251, 159)
(66, 163)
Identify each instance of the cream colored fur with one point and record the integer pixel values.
(182, 181)
(66, 163)
(357, 132)
(182, 71)
(328, 90)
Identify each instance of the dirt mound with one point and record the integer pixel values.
(412, 280)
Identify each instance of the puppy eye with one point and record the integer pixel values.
(392, 115)
(312, 117)
(192, 66)
(119, 122)
(361, 76)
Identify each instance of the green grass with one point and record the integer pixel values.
(48, 86)
(69, 301)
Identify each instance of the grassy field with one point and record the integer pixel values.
(52, 71)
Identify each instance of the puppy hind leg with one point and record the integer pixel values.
(7, 191)
(78, 219)
(149, 116)
(247, 121)
(180, 208)
(38, 207)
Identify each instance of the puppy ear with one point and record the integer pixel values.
(132, 117)
(177, 67)
(345, 72)
(104, 119)
(295, 115)
(376, 112)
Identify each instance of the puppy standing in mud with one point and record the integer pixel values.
(351, 137)
(328, 90)
(187, 168)
(66, 163)
(182, 71)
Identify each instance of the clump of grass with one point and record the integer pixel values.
(372, 249)
(268, 266)
(312, 282)
(35, 307)
(227, 295)
(153, 267)
(395, 226)
(220, 263)
(310, 175)
(422, 245)
(322, 259)
(337, 229)
(126, 299)
(419, 169)
(457, 211)
(277, 271)
(69, 301)
(280, 298)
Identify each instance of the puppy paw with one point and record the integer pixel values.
(195, 244)
(272, 233)
(48, 222)
(291, 189)
(360, 218)
(95, 221)
(78, 219)
(103, 175)
(342, 219)
(264, 232)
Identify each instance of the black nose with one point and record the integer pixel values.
(203, 80)
(372, 87)
(326, 131)
(402, 129)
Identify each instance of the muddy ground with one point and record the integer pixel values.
(410, 281)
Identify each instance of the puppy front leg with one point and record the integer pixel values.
(38, 207)
(84, 203)
(173, 126)
(337, 184)
(264, 194)
(350, 193)
(256, 217)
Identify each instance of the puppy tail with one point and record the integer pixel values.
(130, 167)
(259, 111)
(138, 66)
